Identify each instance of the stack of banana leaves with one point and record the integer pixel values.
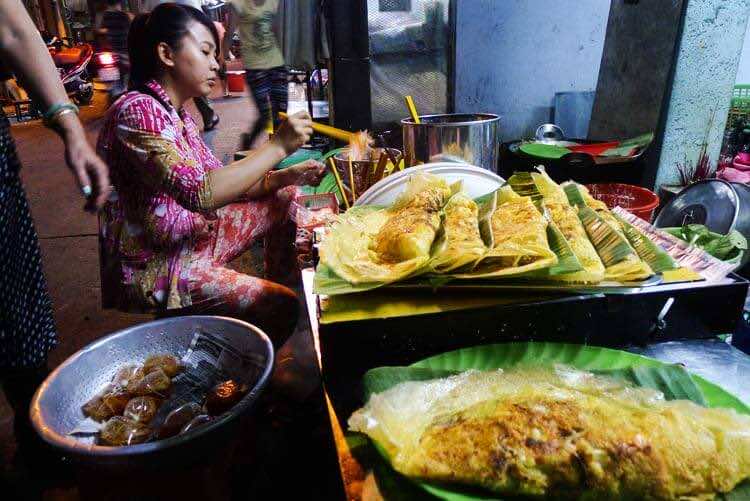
(530, 229)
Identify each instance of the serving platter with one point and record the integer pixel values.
(476, 182)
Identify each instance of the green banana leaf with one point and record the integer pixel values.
(672, 380)
(328, 283)
(656, 257)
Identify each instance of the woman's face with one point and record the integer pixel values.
(194, 67)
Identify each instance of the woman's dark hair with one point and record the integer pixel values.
(167, 23)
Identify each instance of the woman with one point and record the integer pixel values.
(265, 71)
(27, 328)
(178, 216)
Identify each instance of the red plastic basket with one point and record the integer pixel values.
(638, 201)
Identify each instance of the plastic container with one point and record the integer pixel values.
(638, 201)
(236, 81)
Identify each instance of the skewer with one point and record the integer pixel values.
(338, 182)
(391, 158)
(380, 169)
(351, 178)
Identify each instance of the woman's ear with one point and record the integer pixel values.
(165, 54)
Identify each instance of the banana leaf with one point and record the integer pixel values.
(656, 257)
(672, 380)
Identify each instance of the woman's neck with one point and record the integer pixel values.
(175, 96)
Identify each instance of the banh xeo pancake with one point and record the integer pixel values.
(554, 202)
(516, 234)
(557, 432)
(369, 245)
(460, 243)
(413, 221)
(622, 263)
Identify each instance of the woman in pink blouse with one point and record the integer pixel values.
(177, 216)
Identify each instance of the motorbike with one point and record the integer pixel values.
(72, 63)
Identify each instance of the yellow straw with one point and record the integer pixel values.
(412, 109)
(351, 178)
(338, 182)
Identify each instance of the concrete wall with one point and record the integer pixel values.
(743, 71)
(513, 55)
(705, 73)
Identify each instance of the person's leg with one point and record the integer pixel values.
(220, 291)
(259, 83)
(279, 92)
(241, 224)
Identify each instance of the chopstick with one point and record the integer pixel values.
(412, 109)
(380, 169)
(326, 130)
(351, 178)
(338, 182)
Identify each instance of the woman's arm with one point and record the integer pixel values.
(242, 177)
(22, 48)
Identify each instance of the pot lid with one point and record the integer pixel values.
(712, 202)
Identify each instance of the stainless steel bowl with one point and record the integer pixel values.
(56, 407)
(470, 138)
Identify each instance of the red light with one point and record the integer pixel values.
(106, 58)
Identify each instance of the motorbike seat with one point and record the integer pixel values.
(67, 55)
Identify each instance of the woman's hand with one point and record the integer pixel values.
(307, 173)
(294, 132)
(89, 171)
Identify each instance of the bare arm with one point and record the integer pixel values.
(22, 48)
(242, 178)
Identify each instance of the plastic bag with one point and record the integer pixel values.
(178, 419)
(168, 363)
(120, 431)
(141, 409)
(155, 382)
(111, 401)
(224, 396)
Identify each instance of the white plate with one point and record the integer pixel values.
(476, 182)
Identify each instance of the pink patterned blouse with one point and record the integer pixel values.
(161, 204)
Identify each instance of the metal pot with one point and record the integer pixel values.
(470, 138)
(56, 407)
(719, 205)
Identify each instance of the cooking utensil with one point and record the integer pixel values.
(56, 406)
(461, 137)
(327, 130)
(719, 205)
(549, 132)
(361, 169)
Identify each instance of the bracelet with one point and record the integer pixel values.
(267, 182)
(53, 114)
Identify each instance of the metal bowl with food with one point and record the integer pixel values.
(56, 409)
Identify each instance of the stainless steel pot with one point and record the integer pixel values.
(719, 205)
(459, 137)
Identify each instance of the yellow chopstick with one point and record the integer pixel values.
(327, 130)
(412, 109)
(338, 182)
(351, 178)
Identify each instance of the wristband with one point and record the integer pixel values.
(52, 115)
(267, 182)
